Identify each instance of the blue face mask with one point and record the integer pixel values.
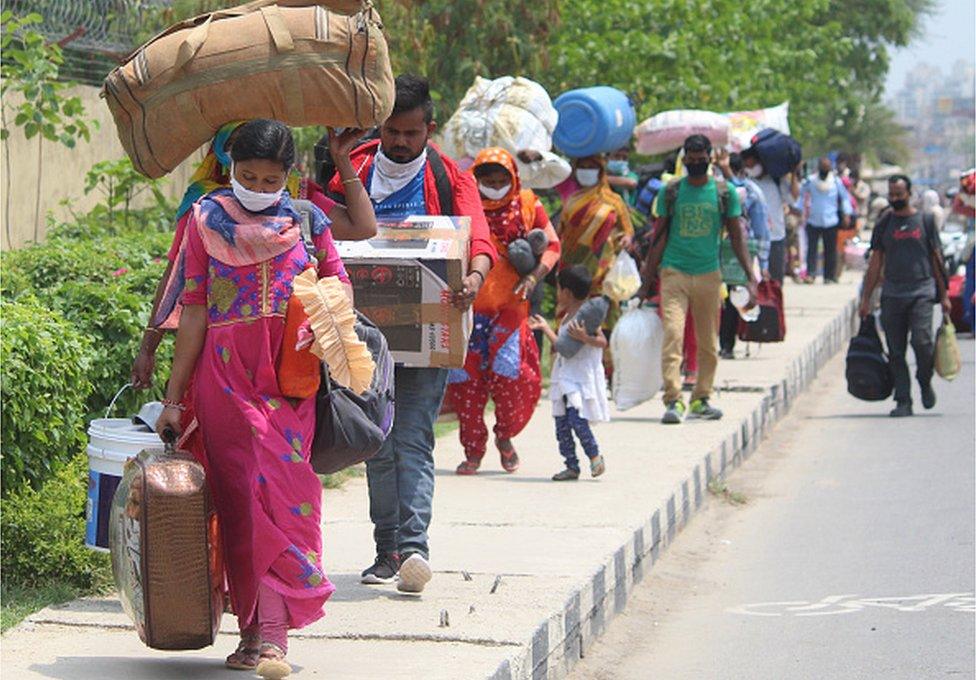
(617, 167)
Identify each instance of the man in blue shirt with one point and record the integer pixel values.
(830, 208)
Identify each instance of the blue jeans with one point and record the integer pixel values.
(565, 426)
(401, 475)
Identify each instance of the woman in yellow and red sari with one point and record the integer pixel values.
(595, 224)
(503, 358)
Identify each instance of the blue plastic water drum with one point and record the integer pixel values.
(111, 442)
(593, 120)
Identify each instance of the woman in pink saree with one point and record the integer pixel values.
(243, 250)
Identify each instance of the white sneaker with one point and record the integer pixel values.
(414, 574)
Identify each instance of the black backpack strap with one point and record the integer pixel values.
(670, 196)
(931, 238)
(445, 192)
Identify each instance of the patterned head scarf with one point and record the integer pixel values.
(505, 216)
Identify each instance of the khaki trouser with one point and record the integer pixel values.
(702, 294)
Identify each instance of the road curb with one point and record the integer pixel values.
(562, 639)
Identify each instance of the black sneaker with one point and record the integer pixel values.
(901, 411)
(384, 570)
(928, 396)
(567, 475)
(726, 354)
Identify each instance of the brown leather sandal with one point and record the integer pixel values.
(244, 658)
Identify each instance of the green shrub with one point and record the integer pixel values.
(98, 259)
(113, 317)
(42, 533)
(45, 367)
(104, 286)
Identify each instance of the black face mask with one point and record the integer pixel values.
(900, 204)
(824, 173)
(697, 169)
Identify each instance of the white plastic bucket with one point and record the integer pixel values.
(111, 442)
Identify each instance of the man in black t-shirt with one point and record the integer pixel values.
(907, 254)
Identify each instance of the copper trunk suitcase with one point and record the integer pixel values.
(303, 62)
(164, 540)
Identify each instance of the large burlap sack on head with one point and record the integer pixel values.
(298, 61)
(513, 113)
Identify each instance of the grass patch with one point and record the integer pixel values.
(337, 479)
(444, 427)
(19, 602)
(718, 487)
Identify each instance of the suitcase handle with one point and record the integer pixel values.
(168, 435)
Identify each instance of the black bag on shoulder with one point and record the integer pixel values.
(868, 373)
(350, 428)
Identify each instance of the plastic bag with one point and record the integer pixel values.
(623, 279)
(635, 345)
(947, 358)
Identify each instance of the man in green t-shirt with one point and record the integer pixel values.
(693, 212)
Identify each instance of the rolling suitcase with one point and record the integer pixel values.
(165, 549)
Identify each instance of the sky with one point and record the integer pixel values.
(950, 34)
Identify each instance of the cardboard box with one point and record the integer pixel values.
(403, 279)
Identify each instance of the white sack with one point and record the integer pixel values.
(513, 113)
(635, 345)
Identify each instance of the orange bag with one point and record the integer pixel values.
(299, 371)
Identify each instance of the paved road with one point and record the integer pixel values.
(853, 556)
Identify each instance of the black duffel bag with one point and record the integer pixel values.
(868, 373)
(350, 427)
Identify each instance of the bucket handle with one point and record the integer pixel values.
(116, 397)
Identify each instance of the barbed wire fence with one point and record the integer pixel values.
(95, 35)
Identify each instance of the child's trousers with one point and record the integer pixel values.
(565, 427)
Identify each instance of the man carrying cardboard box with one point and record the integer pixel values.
(406, 175)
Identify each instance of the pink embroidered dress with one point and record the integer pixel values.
(241, 266)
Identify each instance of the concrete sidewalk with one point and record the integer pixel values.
(527, 571)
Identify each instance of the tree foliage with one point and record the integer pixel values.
(829, 58)
(31, 68)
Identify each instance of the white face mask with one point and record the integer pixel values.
(494, 194)
(587, 176)
(255, 201)
(755, 171)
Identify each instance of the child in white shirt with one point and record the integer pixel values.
(578, 384)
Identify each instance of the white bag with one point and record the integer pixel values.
(668, 130)
(545, 173)
(623, 279)
(747, 123)
(635, 346)
(513, 113)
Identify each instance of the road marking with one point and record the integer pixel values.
(849, 604)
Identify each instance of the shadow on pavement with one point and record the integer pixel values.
(349, 589)
(880, 414)
(107, 667)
